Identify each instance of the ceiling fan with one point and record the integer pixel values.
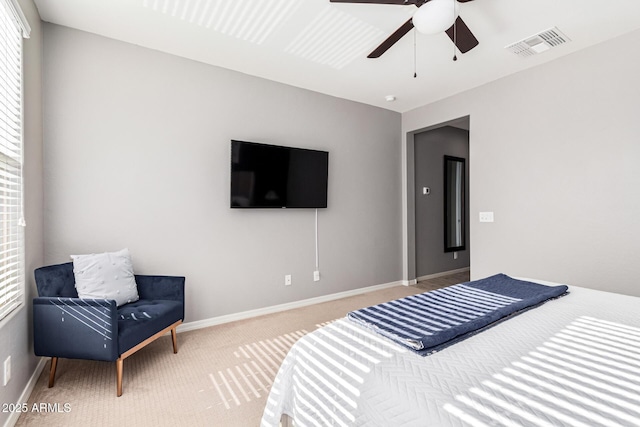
(458, 32)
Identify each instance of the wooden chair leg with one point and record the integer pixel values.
(119, 366)
(52, 371)
(175, 340)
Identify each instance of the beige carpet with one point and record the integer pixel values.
(221, 375)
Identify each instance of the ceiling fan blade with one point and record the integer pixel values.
(464, 38)
(400, 2)
(391, 40)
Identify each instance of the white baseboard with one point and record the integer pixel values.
(444, 273)
(199, 324)
(26, 393)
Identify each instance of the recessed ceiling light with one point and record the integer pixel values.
(390, 98)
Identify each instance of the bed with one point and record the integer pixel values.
(572, 361)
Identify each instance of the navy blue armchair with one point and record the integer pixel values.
(69, 327)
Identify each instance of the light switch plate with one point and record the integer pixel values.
(486, 216)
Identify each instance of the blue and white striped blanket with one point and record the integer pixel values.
(433, 320)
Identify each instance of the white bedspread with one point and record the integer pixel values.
(574, 361)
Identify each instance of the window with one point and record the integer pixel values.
(13, 27)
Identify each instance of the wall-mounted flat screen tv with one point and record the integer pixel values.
(272, 176)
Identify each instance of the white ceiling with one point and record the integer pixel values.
(322, 46)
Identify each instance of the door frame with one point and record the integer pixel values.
(409, 199)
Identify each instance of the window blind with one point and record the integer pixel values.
(11, 145)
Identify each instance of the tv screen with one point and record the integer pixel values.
(271, 176)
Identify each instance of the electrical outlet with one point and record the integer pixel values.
(287, 280)
(7, 370)
(316, 276)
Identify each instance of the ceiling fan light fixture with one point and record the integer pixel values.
(436, 16)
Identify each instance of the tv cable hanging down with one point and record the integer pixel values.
(316, 273)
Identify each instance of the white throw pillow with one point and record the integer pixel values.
(106, 276)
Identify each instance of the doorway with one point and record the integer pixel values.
(430, 146)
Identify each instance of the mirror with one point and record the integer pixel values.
(454, 208)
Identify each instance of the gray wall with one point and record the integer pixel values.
(137, 154)
(430, 148)
(16, 331)
(554, 154)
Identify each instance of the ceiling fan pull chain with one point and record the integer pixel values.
(455, 36)
(415, 61)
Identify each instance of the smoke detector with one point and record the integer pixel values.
(538, 43)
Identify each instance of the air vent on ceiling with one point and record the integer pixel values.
(538, 43)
